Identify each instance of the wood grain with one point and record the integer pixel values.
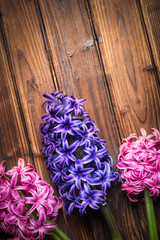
(13, 142)
(30, 65)
(151, 13)
(134, 91)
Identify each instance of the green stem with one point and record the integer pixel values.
(61, 234)
(54, 237)
(152, 226)
(111, 223)
(58, 234)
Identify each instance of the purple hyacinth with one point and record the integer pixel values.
(77, 159)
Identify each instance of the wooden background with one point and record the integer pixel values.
(106, 51)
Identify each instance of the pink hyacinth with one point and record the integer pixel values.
(26, 203)
(139, 163)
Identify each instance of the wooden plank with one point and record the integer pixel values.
(13, 144)
(151, 14)
(134, 91)
(31, 68)
(125, 56)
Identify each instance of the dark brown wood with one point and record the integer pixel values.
(125, 56)
(104, 51)
(151, 13)
(13, 141)
(30, 67)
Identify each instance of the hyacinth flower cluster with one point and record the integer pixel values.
(77, 159)
(28, 208)
(139, 163)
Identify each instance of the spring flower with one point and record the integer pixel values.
(139, 163)
(26, 203)
(77, 159)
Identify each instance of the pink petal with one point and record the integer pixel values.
(44, 193)
(42, 215)
(2, 167)
(20, 163)
(144, 134)
(14, 179)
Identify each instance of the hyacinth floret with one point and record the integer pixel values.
(26, 203)
(139, 163)
(77, 159)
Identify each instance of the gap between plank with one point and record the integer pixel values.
(15, 88)
(102, 68)
(47, 47)
(148, 43)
